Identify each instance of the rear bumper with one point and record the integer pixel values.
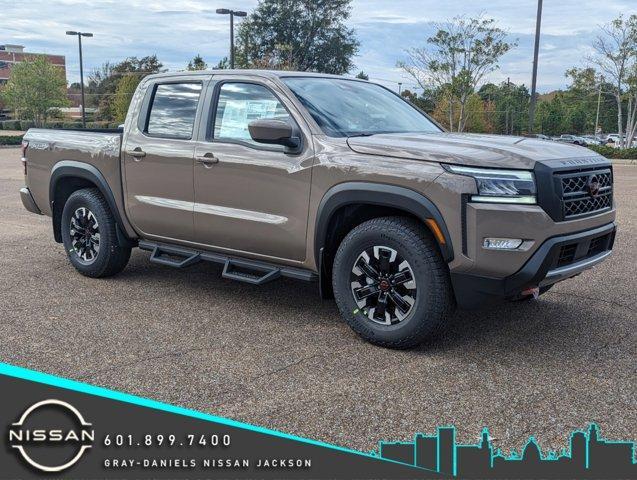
(557, 259)
(28, 202)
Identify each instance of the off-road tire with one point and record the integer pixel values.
(434, 301)
(111, 258)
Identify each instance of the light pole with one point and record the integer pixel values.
(599, 100)
(232, 13)
(536, 50)
(79, 39)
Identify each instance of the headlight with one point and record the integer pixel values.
(500, 186)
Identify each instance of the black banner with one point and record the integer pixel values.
(55, 427)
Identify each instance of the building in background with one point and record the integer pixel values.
(12, 54)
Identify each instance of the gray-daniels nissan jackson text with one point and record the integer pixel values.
(328, 179)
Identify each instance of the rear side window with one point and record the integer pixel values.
(172, 112)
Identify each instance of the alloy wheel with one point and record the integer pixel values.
(85, 235)
(383, 285)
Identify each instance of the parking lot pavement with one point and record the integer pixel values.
(279, 357)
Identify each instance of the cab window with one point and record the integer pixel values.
(241, 103)
(173, 109)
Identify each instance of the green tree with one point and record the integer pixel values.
(103, 82)
(426, 101)
(141, 66)
(577, 120)
(476, 115)
(588, 101)
(506, 105)
(362, 75)
(222, 64)
(456, 59)
(616, 57)
(307, 35)
(123, 95)
(197, 63)
(631, 110)
(550, 116)
(35, 89)
(580, 100)
(98, 82)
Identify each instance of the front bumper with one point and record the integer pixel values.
(28, 201)
(557, 259)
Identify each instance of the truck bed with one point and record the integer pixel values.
(47, 147)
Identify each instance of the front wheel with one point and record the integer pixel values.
(90, 237)
(390, 282)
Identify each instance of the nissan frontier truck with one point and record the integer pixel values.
(325, 179)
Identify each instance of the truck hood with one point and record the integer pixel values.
(468, 149)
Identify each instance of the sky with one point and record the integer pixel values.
(177, 30)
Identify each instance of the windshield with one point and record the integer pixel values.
(344, 108)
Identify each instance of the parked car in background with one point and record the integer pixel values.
(614, 139)
(571, 139)
(593, 140)
(539, 136)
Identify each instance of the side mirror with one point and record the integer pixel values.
(273, 132)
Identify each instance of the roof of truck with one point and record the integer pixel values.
(261, 73)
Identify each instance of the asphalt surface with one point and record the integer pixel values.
(277, 356)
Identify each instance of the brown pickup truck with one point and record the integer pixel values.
(327, 179)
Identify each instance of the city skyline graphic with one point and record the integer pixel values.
(587, 455)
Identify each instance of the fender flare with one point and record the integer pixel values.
(382, 195)
(85, 171)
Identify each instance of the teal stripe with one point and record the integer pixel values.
(47, 379)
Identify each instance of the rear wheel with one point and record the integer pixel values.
(390, 282)
(90, 237)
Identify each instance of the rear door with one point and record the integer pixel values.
(250, 197)
(158, 158)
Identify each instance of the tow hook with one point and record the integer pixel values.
(535, 291)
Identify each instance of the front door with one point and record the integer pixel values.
(250, 197)
(158, 160)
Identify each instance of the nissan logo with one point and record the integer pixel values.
(51, 435)
(593, 186)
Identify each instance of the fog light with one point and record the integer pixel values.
(501, 243)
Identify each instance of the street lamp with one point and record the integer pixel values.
(536, 50)
(232, 13)
(79, 39)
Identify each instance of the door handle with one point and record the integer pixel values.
(136, 153)
(207, 160)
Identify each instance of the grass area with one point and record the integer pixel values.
(618, 153)
(11, 139)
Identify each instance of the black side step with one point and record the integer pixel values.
(241, 269)
(248, 272)
(165, 255)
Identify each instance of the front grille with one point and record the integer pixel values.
(577, 183)
(581, 206)
(585, 192)
(577, 251)
(567, 254)
(597, 246)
